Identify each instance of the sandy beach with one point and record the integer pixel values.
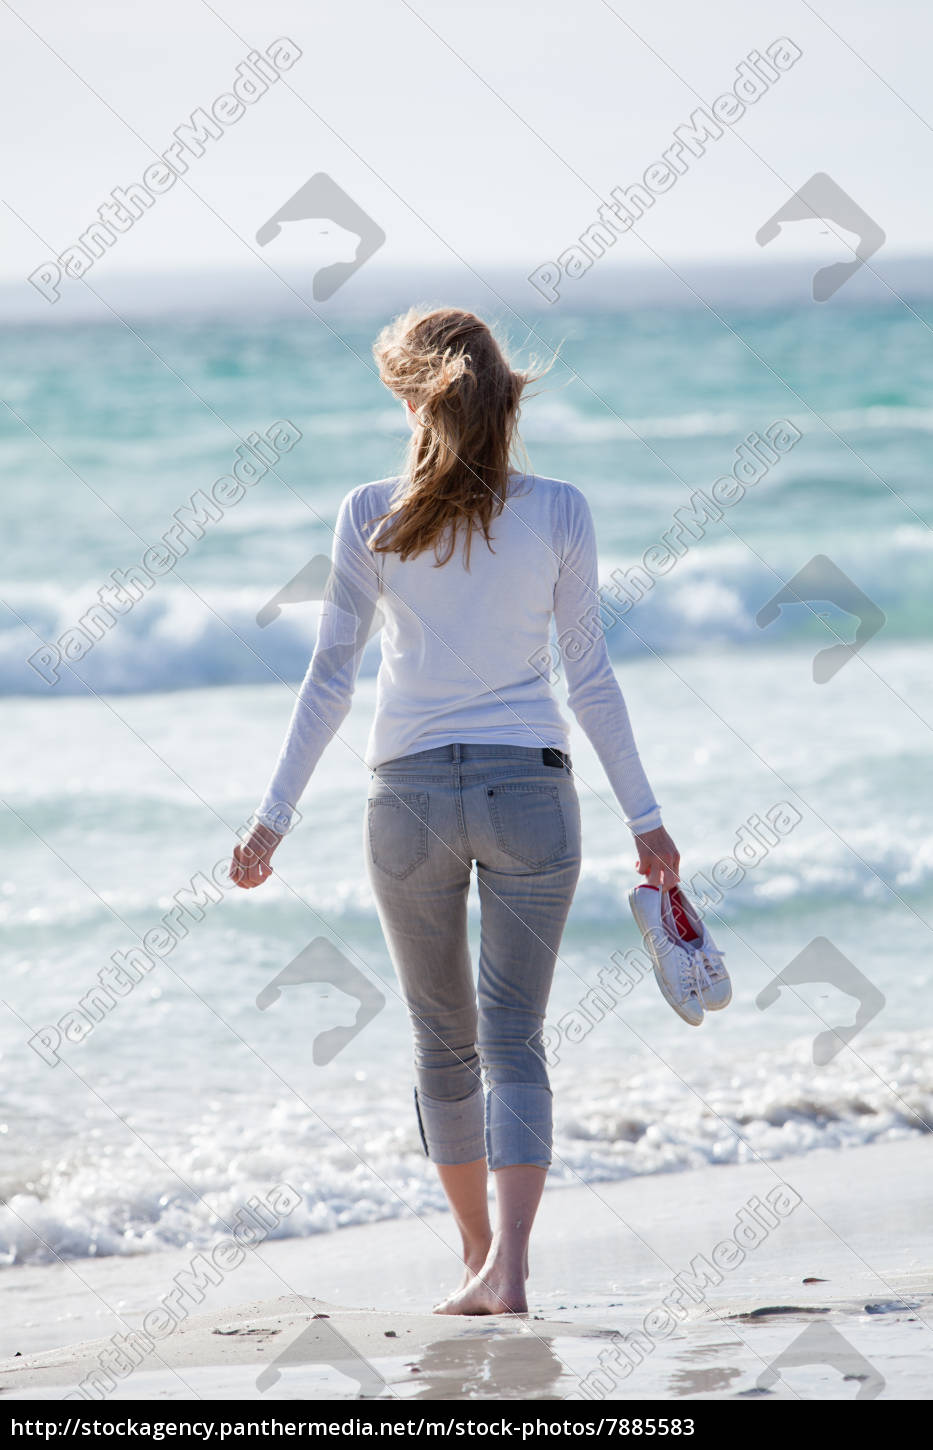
(660, 1287)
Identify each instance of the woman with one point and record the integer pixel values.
(468, 562)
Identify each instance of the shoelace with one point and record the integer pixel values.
(688, 981)
(712, 965)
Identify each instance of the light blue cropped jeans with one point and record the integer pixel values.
(429, 817)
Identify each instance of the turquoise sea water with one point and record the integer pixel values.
(127, 771)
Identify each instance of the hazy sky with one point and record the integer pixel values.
(493, 138)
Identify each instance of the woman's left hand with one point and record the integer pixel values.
(250, 865)
(658, 858)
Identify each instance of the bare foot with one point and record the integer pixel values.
(493, 1293)
(472, 1263)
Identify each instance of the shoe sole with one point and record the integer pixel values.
(645, 928)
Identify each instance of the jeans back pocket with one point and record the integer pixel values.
(398, 831)
(528, 820)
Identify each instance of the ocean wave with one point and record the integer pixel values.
(555, 420)
(549, 418)
(175, 639)
(774, 1106)
(169, 641)
(120, 1198)
(871, 866)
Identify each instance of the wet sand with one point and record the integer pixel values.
(808, 1278)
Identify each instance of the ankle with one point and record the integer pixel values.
(507, 1263)
(476, 1251)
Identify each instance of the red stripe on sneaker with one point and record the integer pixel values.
(681, 920)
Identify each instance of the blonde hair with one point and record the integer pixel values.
(449, 367)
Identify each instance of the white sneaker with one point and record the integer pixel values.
(713, 982)
(675, 969)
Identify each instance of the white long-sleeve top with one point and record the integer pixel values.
(466, 654)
